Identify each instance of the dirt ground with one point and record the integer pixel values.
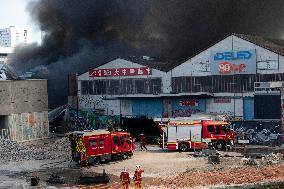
(163, 169)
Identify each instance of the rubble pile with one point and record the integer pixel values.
(272, 159)
(226, 177)
(249, 161)
(37, 150)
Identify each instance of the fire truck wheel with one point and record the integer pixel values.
(97, 160)
(124, 156)
(220, 145)
(183, 147)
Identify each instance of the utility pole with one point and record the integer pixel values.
(234, 91)
(234, 97)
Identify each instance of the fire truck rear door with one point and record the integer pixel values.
(189, 132)
(92, 147)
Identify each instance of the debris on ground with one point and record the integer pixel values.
(249, 161)
(272, 159)
(34, 150)
(226, 177)
(55, 178)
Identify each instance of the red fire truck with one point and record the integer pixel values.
(100, 145)
(183, 135)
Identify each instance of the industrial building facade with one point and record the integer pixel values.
(219, 80)
(24, 109)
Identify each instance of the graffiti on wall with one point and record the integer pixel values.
(227, 115)
(28, 126)
(184, 113)
(259, 132)
(88, 120)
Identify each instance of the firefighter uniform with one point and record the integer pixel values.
(138, 177)
(124, 179)
(143, 142)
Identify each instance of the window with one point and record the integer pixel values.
(156, 86)
(225, 128)
(139, 86)
(93, 142)
(218, 129)
(113, 88)
(102, 141)
(90, 88)
(84, 87)
(211, 128)
(117, 141)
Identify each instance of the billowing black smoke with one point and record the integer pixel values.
(82, 34)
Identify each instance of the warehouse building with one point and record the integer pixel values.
(219, 80)
(24, 108)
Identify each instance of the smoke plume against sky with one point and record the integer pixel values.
(79, 35)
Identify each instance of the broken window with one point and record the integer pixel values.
(114, 86)
(90, 87)
(139, 86)
(84, 87)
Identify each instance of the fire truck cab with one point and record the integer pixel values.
(184, 135)
(100, 145)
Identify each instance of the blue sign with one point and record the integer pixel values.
(233, 62)
(230, 55)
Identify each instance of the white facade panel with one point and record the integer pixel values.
(121, 63)
(264, 57)
(199, 64)
(225, 108)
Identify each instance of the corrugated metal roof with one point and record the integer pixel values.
(155, 63)
(274, 45)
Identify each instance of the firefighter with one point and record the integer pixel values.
(143, 142)
(83, 159)
(138, 177)
(124, 179)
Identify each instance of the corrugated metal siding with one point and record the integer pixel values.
(182, 111)
(149, 107)
(248, 108)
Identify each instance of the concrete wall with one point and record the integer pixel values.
(28, 126)
(20, 96)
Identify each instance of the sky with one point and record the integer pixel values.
(14, 13)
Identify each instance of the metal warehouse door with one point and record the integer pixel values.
(148, 107)
(248, 108)
(267, 106)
